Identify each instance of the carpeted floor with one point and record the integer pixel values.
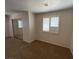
(18, 49)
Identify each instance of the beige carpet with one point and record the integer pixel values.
(18, 49)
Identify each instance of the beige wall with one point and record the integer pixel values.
(28, 29)
(31, 26)
(11, 28)
(64, 37)
(25, 19)
(7, 32)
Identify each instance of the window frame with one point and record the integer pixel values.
(50, 25)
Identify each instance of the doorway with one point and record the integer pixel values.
(17, 28)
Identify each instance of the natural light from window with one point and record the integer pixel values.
(46, 24)
(54, 22)
(51, 24)
(20, 24)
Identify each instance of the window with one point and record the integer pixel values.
(46, 24)
(20, 24)
(54, 22)
(54, 25)
(51, 24)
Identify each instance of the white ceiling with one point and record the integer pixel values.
(37, 5)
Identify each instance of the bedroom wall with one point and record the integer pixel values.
(31, 26)
(64, 37)
(7, 32)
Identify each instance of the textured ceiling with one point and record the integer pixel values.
(37, 5)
